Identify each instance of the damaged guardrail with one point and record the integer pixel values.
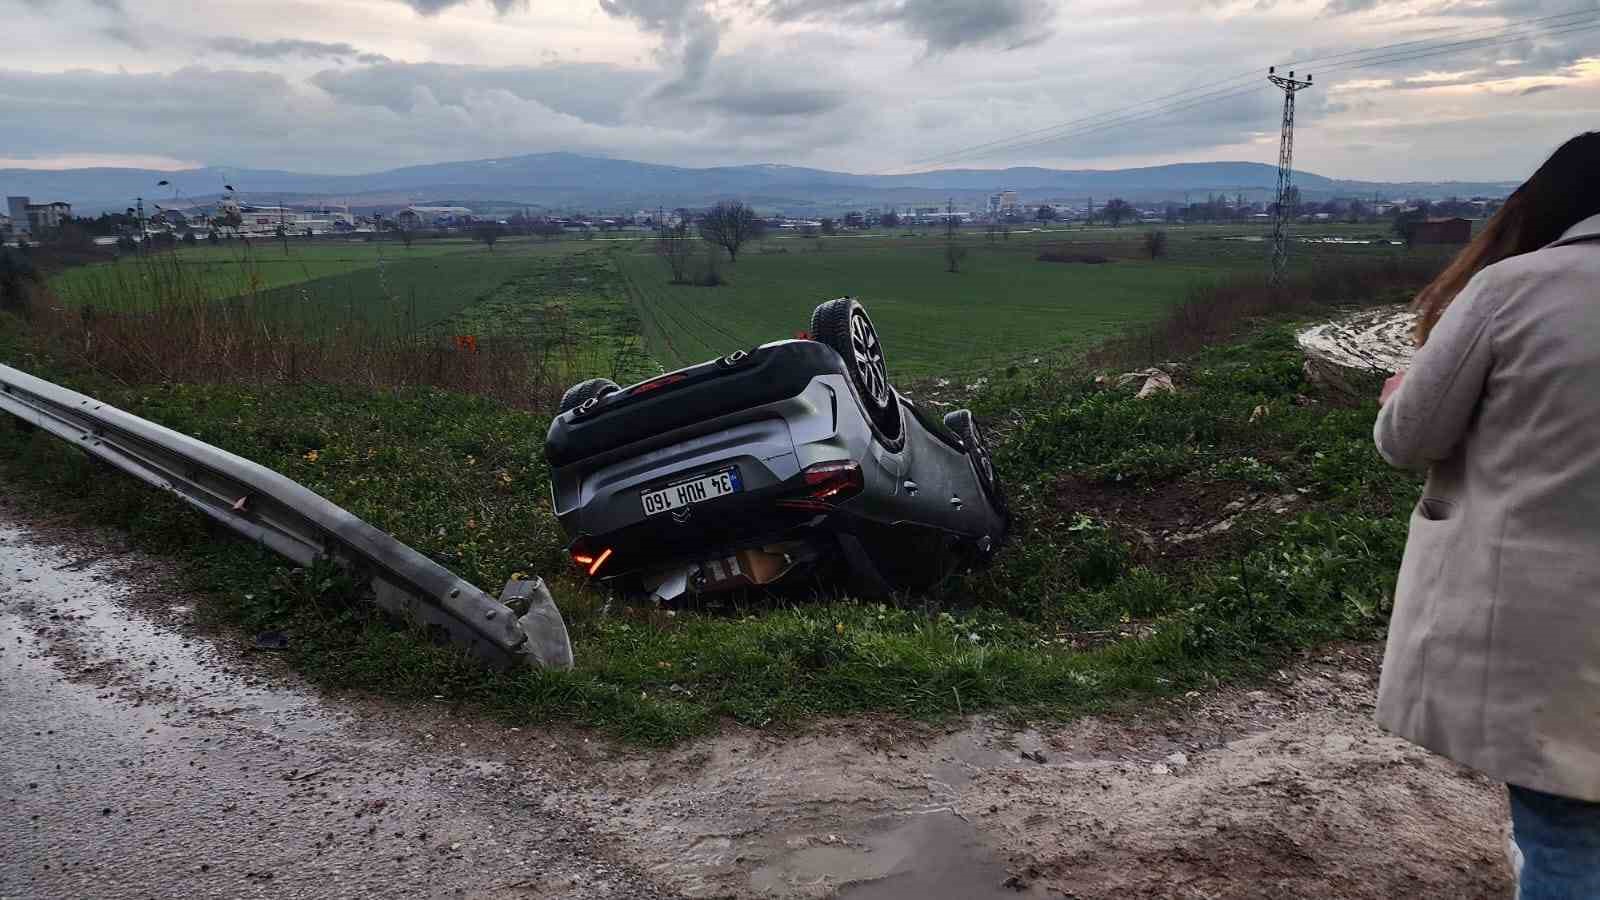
(298, 524)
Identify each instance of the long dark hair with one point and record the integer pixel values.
(1564, 192)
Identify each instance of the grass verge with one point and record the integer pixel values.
(1166, 544)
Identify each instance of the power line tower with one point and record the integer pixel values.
(1280, 241)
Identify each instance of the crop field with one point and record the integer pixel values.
(572, 307)
(1005, 305)
(239, 267)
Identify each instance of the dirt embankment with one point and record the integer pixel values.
(142, 753)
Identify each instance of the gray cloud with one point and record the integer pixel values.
(1346, 7)
(111, 6)
(690, 36)
(261, 120)
(1539, 89)
(765, 102)
(827, 83)
(282, 48)
(126, 35)
(942, 24)
(434, 7)
(593, 92)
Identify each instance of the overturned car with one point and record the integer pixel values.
(795, 457)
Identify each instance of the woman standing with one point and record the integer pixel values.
(1494, 649)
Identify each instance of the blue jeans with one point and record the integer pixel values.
(1560, 842)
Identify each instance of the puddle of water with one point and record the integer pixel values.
(934, 856)
(78, 603)
(968, 752)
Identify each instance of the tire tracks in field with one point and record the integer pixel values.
(656, 309)
(646, 310)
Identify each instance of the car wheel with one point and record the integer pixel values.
(966, 427)
(584, 391)
(844, 325)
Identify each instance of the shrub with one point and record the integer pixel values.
(17, 278)
(1217, 310)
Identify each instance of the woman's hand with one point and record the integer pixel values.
(1390, 386)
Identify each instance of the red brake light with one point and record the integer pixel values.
(834, 480)
(588, 560)
(656, 383)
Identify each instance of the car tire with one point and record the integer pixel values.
(966, 427)
(584, 391)
(844, 325)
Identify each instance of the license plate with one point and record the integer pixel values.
(698, 489)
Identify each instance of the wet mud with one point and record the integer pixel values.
(143, 754)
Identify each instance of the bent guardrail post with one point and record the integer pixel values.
(298, 524)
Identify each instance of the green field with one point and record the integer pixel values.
(606, 307)
(1003, 306)
(239, 267)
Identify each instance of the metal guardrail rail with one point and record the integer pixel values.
(300, 525)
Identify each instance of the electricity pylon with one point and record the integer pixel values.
(1280, 241)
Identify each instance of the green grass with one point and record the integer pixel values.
(574, 308)
(238, 267)
(1002, 307)
(566, 299)
(1075, 616)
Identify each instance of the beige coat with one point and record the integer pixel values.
(1494, 648)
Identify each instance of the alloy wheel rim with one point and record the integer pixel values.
(868, 355)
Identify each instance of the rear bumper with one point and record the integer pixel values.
(903, 553)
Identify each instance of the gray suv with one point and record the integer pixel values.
(796, 456)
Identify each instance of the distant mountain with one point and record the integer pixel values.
(570, 181)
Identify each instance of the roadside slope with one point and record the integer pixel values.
(145, 751)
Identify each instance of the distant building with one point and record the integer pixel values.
(1443, 231)
(32, 218)
(1004, 203)
(17, 212)
(253, 220)
(427, 216)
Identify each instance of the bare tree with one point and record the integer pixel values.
(729, 225)
(406, 235)
(1117, 210)
(675, 246)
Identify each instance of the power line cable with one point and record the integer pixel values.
(1365, 58)
(1122, 116)
(1218, 97)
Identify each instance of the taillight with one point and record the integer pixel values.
(656, 384)
(590, 561)
(834, 480)
(826, 484)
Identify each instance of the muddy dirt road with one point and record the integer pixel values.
(142, 756)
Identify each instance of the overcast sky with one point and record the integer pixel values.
(344, 86)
